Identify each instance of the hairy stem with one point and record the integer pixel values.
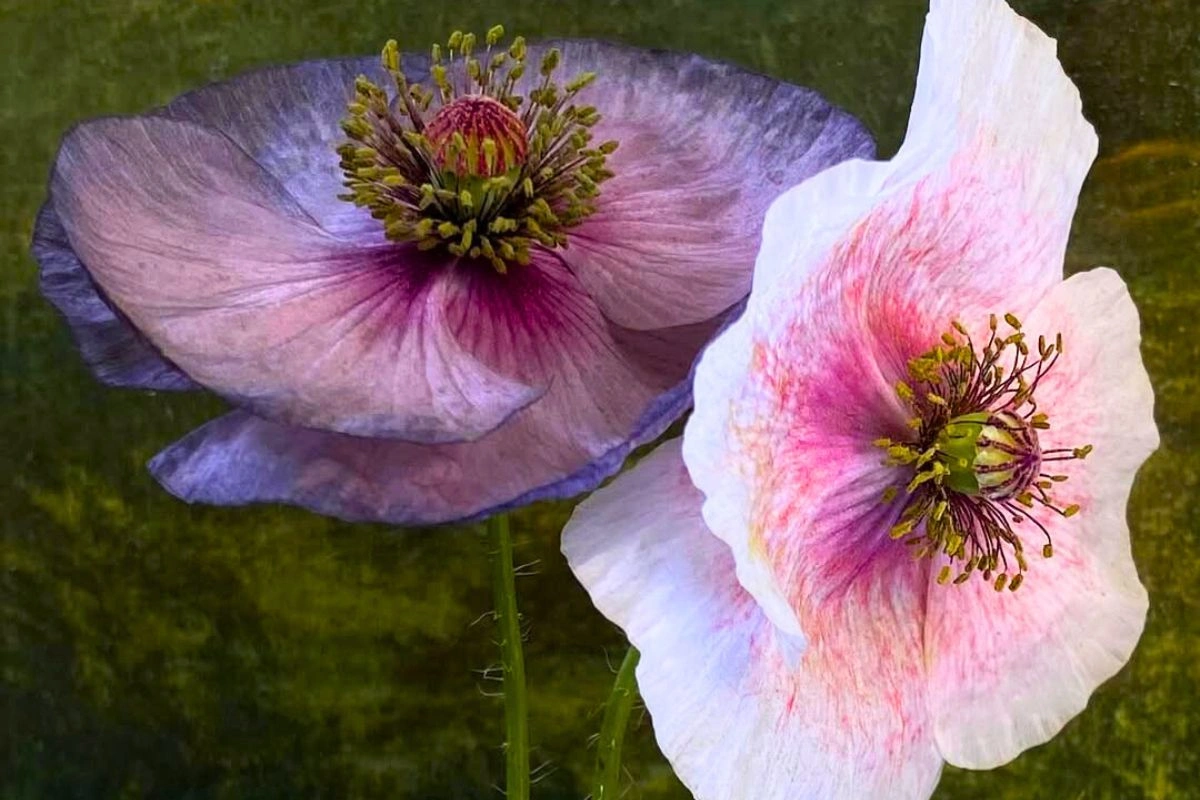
(606, 785)
(508, 623)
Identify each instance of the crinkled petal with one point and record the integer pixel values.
(203, 252)
(862, 267)
(287, 118)
(118, 354)
(998, 125)
(704, 148)
(613, 390)
(1007, 670)
(736, 702)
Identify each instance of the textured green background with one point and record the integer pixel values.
(156, 650)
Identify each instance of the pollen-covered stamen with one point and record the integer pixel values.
(976, 460)
(468, 164)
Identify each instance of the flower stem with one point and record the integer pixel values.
(612, 731)
(508, 621)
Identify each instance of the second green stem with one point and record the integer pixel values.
(612, 731)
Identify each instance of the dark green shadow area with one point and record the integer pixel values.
(154, 650)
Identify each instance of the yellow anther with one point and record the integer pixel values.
(920, 478)
(391, 56)
(955, 545)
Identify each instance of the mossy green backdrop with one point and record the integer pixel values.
(151, 649)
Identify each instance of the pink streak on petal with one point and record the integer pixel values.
(529, 322)
(825, 362)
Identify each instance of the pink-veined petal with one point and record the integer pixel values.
(862, 267)
(739, 707)
(1008, 669)
(704, 148)
(994, 118)
(612, 391)
(212, 261)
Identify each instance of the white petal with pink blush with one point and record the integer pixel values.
(894, 531)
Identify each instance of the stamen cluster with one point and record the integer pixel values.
(468, 164)
(975, 455)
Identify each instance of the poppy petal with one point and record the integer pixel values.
(118, 354)
(735, 701)
(614, 390)
(219, 267)
(704, 148)
(287, 118)
(1008, 669)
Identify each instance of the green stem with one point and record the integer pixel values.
(612, 731)
(508, 621)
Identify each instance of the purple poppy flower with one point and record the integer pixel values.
(497, 311)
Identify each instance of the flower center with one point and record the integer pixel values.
(477, 136)
(975, 458)
(469, 165)
(995, 455)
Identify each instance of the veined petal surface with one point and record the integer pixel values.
(862, 267)
(614, 390)
(219, 267)
(740, 707)
(1008, 669)
(704, 148)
